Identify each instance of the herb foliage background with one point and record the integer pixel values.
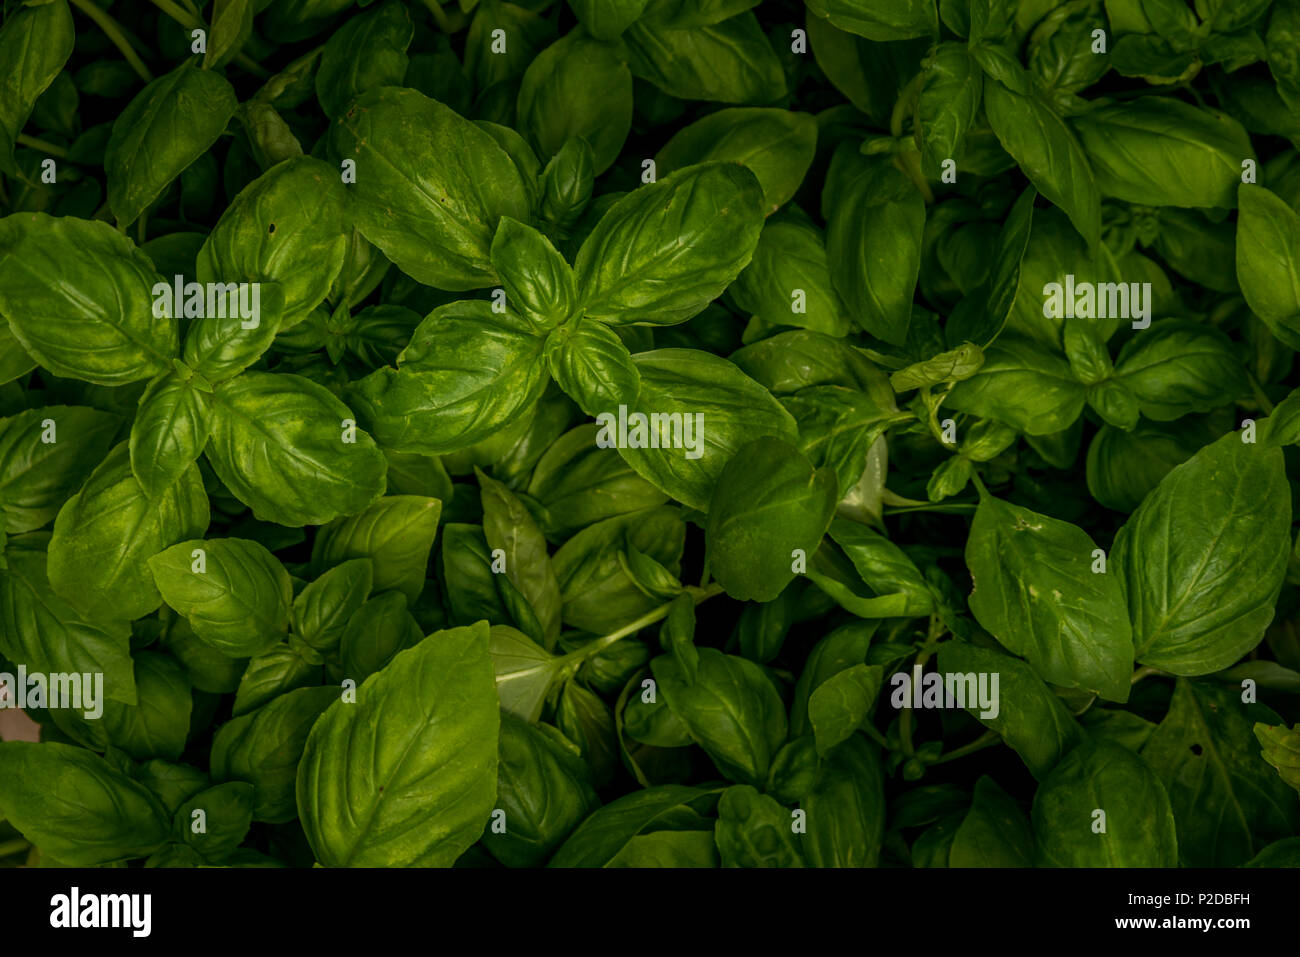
(837, 257)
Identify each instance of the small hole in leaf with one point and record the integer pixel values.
(1196, 749)
(271, 228)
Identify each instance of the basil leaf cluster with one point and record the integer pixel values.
(649, 433)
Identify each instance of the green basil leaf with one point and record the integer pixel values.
(1004, 281)
(368, 51)
(322, 609)
(695, 13)
(515, 448)
(606, 19)
(899, 587)
(1283, 853)
(1101, 777)
(166, 127)
(610, 670)
(720, 408)
(491, 66)
(846, 808)
(1279, 749)
(265, 747)
(567, 184)
(14, 360)
(473, 591)
(285, 227)
(677, 635)
(1268, 260)
(727, 62)
(1179, 367)
(841, 650)
(947, 104)
(467, 372)
(587, 721)
(1230, 16)
(1123, 727)
(1283, 424)
(433, 204)
(410, 473)
(1048, 152)
(950, 366)
(986, 439)
(539, 284)
(995, 832)
(426, 750)
(1199, 249)
(1227, 802)
(1037, 592)
(794, 770)
(1087, 352)
(1032, 720)
(577, 87)
(768, 504)
(838, 428)
(105, 534)
(227, 813)
(839, 705)
(592, 364)
(271, 674)
(668, 849)
(173, 784)
(41, 630)
(654, 723)
(1124, 466)
(664, 251)
(234, 592)
(598, 594)
(873, 245)
(788, 282)
(888, 20)
(364, 268)
(577, 483)
(45, 455)
(1115, 402)
(375, 633)
(754, 831)
(396, 534)
(870, 75)
(79, 297)
(1022, 385)
(608, 831)
(790, 361)
(76, 806)
(510, 528)
(1283, 31)
(1227, 507)
(281, 445)
(776, 145)
(207, 668)
(1053, 253)
(170, 431)
(949, 479)
(1189, 156)
(1063, 51)
(543, 793)
(232, 25)
(270, 138)
(156, 726)
(35, 43)
(526, 673)
(731, 709)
